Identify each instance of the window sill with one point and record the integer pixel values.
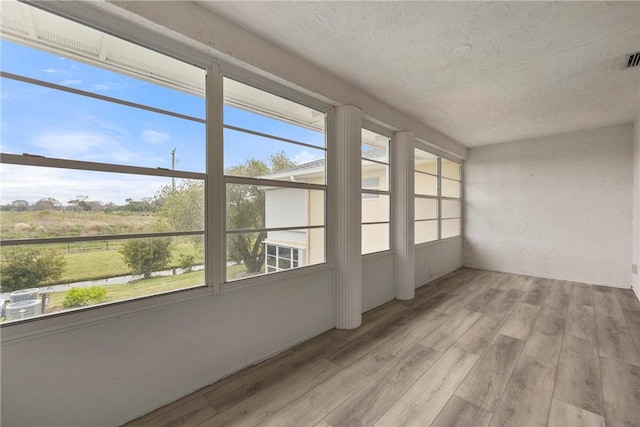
(435, 242)
(83, 317)
(271, 278)
(380, 254)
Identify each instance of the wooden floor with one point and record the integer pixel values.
(475, 348)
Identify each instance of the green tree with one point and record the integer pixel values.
(23, 268)
(183, 206)
(246, 210)
(144, 256)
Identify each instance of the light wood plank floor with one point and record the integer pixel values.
(475, 348)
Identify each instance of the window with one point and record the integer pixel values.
(274, 161)
(426, 196)
(375, 192)
(280, 258)
(103, 169)
(451, 183)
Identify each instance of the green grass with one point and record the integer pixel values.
(138, 288)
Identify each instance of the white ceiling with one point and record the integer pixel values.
(535, 68)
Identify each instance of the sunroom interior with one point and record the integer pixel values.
(190, 188)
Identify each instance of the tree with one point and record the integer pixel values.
(183, 206)
(144, 256)
(19, 205)
(246, 210)
(22, 268)
(47, 203)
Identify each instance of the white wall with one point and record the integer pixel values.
(435, 259)
(107, 373)
(377, 280)
(557, 207)
(635, 277)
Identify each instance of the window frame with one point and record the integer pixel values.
(374, 194)
(257, 82)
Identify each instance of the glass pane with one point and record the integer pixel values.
(271, 250)
(375, 176)
(245, 251)
(39, 202)
(375, 209)
(451, 209)
(450, 228)
(284, 252)
(426, 231)
(271, 260)
(450, 188)
(56, 124)
(160, 81)
(255, 156)
(257, 110)
(426, 162)
(375, 238)
(426, 208)
(450, 169)
(375, 146)
(254, 206)
(66, 276)
(426, 185)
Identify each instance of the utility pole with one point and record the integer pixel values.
(173, 167)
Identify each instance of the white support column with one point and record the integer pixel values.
(402, 167)
(345, 182)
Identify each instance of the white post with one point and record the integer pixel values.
(345, 181)
(402, 149)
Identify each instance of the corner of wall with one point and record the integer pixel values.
(635, 276)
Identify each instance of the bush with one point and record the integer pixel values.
(78, 297)
(144, 256)
(23, 268)
(187, 262)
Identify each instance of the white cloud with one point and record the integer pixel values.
(71, 82)
(79, 145)
(305, 157)
(153, 136)
(108, 86)
(55, 71)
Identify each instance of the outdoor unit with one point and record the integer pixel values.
(24, 295)
(22, 309)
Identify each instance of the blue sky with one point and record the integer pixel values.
(53, 123)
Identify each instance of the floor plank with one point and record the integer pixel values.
(485, 383)
(546, 337)
(621, 392)
(317, 403)
(521, 320)
(607, 304)
(538, 292)
(627, 299)
(422, 403)
(480, 302)
(581, 294)
(459, 412)
(527, 399)
(614, 339)
(480, 334)
(564, 415)
(404, 340)
(447, 333)
(190, 413)
(271, 399)
(581, 322)
(371, 401)
(578, 378)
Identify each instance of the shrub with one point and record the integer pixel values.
(186, 262)
(22, 268)
(144, 256)
(78, 297)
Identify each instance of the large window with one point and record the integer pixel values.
(451, 186)
(426, 196)
(103, 169)
(375, 192)
(274, 161)
(438, 208)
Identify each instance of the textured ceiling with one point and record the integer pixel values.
(535, 68)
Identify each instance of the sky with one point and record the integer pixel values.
(53, 123)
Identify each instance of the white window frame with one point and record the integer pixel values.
(375, 193)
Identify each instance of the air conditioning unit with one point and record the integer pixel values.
(22, 309)
(24, 295)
